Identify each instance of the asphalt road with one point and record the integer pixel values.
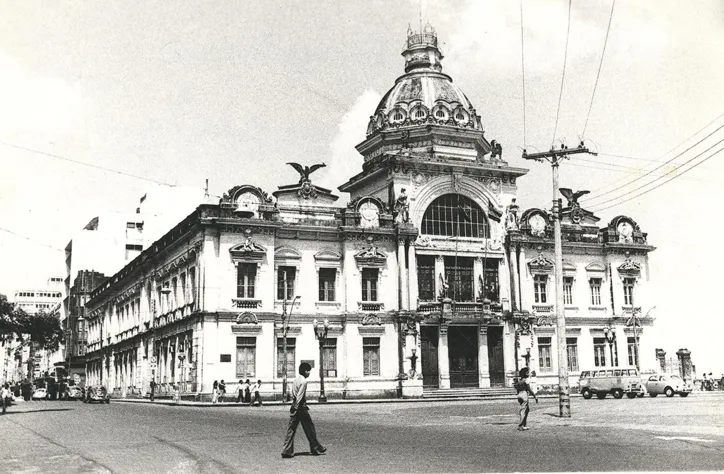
(652, 434)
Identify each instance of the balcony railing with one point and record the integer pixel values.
(245, 303)
(543, 308)
(370, 306)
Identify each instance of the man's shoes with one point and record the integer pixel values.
(522, 428)
(287, 456)
(318, 451)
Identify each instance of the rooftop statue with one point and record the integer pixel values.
(304, 172)
(572, 197)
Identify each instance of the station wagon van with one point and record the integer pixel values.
(617, 382)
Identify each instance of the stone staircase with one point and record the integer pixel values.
(469, 392)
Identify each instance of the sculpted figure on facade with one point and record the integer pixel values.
(512, 221)
(496, 150)
(402, 208)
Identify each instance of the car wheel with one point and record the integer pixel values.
(685, 394)
(669, 392)
(618, 393)
(652, 395)
(586, 394)
(631, 395)
(108, 402)
(601, 395)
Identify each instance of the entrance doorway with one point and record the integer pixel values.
(428, 345)
(495, 356)
(463, 350)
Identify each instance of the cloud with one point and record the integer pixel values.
(345, 161)
(36, 105)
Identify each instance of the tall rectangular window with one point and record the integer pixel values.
(369, 284)
(327, 281)
(633, 355)
(132, 251)
(291, 353)
(544, 354)
(245, 357)
(628, 290)
(599, 351)
(329, 354)
(426, 277)
(460, 277)
(540, 285)
(183, 294)
(595, 285)
(567, 290)
(285, 282)
(371, 355)
(245, 280)
(572, 353)
(174, 293)
(192, 285)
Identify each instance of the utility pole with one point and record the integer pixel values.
(285, 328)
(554, 157)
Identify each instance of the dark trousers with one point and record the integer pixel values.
(257, 398)
(153, 390)
(302, 417)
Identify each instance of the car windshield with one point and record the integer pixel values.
(675, 377)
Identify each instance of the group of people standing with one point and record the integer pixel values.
(246, 393)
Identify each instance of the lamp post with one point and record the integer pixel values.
(635, 321)
(285, 328)
(181, 357)
(610, 333)
(321, 329)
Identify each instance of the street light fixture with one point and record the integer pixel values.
(610, 334)
(181, 357)
(321, 329)
(285, 329)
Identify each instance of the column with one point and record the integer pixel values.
(483, 366)
(524, 297)
(509, 352)
(506, 295)
(443, 358)
(412, 275)
(478, 277)
(439, 270)
(402, 278)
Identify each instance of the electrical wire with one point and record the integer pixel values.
(654, 169)
(600, 65)
(522, 64)
(677, 169)
(563, 76)
(36, 242)
(32, 150)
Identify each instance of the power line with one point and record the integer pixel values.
(660, 177)
(31, 240)
(32, 150)
(563, 76)
(600, 65)
(522, 64)
(656, 168)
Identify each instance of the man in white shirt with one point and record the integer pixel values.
(299, 413)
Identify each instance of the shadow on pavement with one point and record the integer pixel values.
(9, 412)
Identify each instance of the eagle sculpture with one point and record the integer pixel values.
(305, 171)
(572, 197)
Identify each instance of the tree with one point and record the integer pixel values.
(41, 328)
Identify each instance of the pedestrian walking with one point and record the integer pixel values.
(255, 393)
(299, 413)
(240, 390)
(222, 391)
(247, 391)
(5, 397)
(523, 389)
(153, 389)
(215, 392)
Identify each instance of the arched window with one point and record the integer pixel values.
(419, 113)
(398, 116)
(455, 215)
(439, 113)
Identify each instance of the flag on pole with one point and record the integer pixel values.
(493, 213)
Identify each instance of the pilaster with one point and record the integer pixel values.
(402, 276)
(443, 357)
(412, 275)
(483, 363)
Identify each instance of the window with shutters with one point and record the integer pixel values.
(426, 277)
(572, 353)
(327, 281)
(544, 354)
(633, 355)
(329, 353)
(540, 285)
(291, 353)
(245, 357)
(371, 355)
(595, 284)
(369, 284)
(568, 290)
(599, 351)
(245, 280)
(285, 282)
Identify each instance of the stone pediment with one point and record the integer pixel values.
(371, 257)
(287, 253)
(595, 268)
(247, 318)
(327, 256)
(629, 268)
(541, 264)
(247, 251)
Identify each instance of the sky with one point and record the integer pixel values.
(180, 92)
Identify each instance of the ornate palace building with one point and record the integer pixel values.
(431, 278)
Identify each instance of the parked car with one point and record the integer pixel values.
(617, 382)
(668, 384)
(74, 393)
(97, 393)
(40, 394)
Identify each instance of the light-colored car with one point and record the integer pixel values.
(668, 384)
(617, 382)
(40, 394)
(74, 393)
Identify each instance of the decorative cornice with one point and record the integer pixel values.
(371, 257)
(541, 264)
(370, 320)
(247, 318)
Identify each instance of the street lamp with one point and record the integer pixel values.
(610, 333)
(635, 321)
(321, 329)
(181, 357)
(285, 329)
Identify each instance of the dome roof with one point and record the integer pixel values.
(423, 94)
